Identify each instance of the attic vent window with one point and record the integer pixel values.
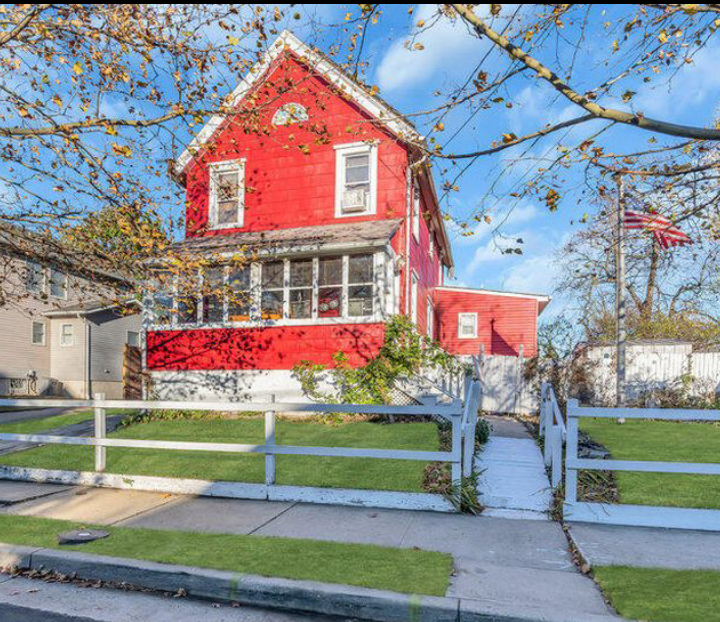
(290, 113)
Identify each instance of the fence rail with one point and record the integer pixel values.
(462, 419)
(553, 431)
(626, 514)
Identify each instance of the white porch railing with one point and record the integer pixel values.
(553, 431)
(461, 420)
(625, 514)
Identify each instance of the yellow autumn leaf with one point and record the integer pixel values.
(663, 36)
(233, 40)
(78, 68)
(121, 150)
(57, 100)
(439, 126)
(111, 130)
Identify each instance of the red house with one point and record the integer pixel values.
(312, 211)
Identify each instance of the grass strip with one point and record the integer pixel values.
(52, 422)
(659, 595)
(411, 571)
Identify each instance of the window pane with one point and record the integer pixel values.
(58, 284)
(301, 273)
(187, 310)
(133, 339)
(213, 294)
(272, 305)
(239, 294)
(300, 303)
(273, 275)
(163, 309)
(227, 192)
(331, 271)
(66, 335)
(361, 268)
(360, 301)
(358, 174)
(34, 278)
(227, 212)
(329, 301)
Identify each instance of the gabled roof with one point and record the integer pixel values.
(320, 63)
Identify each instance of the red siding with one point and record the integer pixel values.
(504, 322)
(261, 348)
(285, 187)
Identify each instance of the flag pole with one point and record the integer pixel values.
(620, 392)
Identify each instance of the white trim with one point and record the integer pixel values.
(286, 40)
(474, 317)
(492, 292)
(214, 169)
(341, 153)
(416, 209)
(32, 333)
(414, 286)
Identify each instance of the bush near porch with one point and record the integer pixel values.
(665, 441)
(363, 473)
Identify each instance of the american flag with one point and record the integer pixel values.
(664, 231)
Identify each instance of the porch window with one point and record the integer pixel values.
(160, 297)
(330, 287)
(187, 307)
(213, 302)
(239, 295)
(273, 290)
(301, 288)
(360, 285)
(467, 325)
(227, 194)
(356, 179)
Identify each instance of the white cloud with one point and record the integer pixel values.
(534, 275)
(449, 47)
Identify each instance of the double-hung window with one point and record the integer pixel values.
(360, 285)
(467, 325)
(34, 277)
(67, 335)
(58, 283)
(356, 179)
(38, 333)
(272, 303)
(301, 288)
(227, 194)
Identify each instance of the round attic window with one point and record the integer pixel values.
(290, 113)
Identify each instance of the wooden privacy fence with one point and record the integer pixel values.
(637, 515)
(460, 418)
(553, 431)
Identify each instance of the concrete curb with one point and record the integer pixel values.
(272, 593)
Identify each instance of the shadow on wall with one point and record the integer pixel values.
(498, 345)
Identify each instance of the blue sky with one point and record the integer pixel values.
(408, 79)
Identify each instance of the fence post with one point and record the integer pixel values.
(556, 472)
(456, 468)
(100, 433)
(571, 449)
(471, 407)
(270, 445)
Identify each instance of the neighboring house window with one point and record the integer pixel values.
(239, 293)
(272, 286)
(35, 277)
(133, 339)
(58, 283)
(38, 333)
(330, 288)
(301, 288)
(430, 319)
(227, 194)
(467, 325)
(360, 285)
(67, 335)
(414, 299)
(356, 179)
(416, 211)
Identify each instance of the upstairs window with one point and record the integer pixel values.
(416, 211)
(227, 194)
(467, 325)
(356, 176)
(34, 277)
(58, 284)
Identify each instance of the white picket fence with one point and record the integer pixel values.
(462, 417)
(625, 514)
(553, 431)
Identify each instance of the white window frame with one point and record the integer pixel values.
(61, 335)
(474, 317)
(416, 208)
(32, 333)
(341, 153)
(31, 265)
(431, 245)
(65, 283)
(414, 284)
(430, 319)
(214, 169)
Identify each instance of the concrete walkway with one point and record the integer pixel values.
(646, 547)
(513, 482)
(509, 568)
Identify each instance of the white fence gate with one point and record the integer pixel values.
(504, 388)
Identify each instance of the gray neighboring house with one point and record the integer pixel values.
(61, 333)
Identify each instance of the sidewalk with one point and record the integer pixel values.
(516, 568)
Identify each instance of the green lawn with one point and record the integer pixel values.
(34, 426)
(664, 441)
(290, 470)
(657, 595)
(401, 570)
